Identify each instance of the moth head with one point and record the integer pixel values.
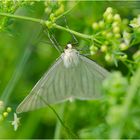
(69, 46)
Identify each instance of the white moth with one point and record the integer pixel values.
(73, 76)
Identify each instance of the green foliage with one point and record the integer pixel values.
(113, 37)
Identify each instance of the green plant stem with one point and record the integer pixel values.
(84, 36)
(57, 134)
(15, 77)
(23, 18)
(68, 130)
(132, 90)
(89, 37)
(72, 31)
(135, 83)
(43, 22)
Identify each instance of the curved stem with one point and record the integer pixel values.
(23, 18)
(131, 92)
(16, 76)
(68, 130)
(43, 22)
(72, 31)
(57, 134)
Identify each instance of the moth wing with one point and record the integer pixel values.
(61, 83)
(51, 88)
(89, 77)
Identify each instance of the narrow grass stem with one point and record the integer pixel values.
(57, 133)
(131, 92)
(68, 130)
(15, 77)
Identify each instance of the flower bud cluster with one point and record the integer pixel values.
(114, 33)
(4, 111)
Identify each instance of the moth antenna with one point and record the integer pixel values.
(53, 41)
(73, 36)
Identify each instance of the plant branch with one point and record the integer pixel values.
(16, 76)
(131, 92)
(23, 18)
(72, 31)
(58, 127)
(84, 36)
(43, 22)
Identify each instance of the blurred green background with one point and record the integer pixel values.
(26, 54)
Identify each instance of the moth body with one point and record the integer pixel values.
(70, 57)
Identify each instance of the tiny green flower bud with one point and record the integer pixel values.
(117, 18)
(103, 48)
(105, 15)
(9, 109)
(101, 24)
(104, 33)
(109, 18)
(109, 10)
(93, 49)
(117, 36)
(123, 57)
(5, 114)
(115, 24)
(109, 35)
(123, 46)
(108, 58)
(95, 26)
(116, 29)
